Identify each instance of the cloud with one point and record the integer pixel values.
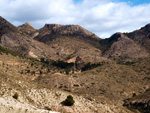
(102, 17)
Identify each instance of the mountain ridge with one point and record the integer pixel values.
(57, 40)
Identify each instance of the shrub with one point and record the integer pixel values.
(33, 72)
(69, 101)
(67, 71)
(15, 96)
(134, 94)
(42, 59)
(90, 66)
(41, 72)
(28, 71)
(47, 108)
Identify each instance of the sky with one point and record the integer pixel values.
(102, 17)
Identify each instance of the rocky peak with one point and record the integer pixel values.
(27, 24)
(27, 29)
(71, 30)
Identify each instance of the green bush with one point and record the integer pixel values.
(15, 96)
(69, 101)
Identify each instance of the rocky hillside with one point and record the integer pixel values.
(49, 31)
(69, 41)
(121, 48)
(28, 29)
(58, 39)
(17, 76)
(6, 27)
(141, 37)
(139, 103)
(127, 46)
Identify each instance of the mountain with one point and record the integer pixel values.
(20, 39)
(141, 37)
(127, 46)
(52, 30)
(45, 66)
(66, 42)
(122, 48)
(52, 41)
(69, 41)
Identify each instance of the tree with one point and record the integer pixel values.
(69, 101)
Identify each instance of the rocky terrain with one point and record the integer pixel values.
(34, 97)
(45, 66)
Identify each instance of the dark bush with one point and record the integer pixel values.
(69, 101)
(15, 96)
(47, 108)
(62, 64)
(134, 94)
(90, 66)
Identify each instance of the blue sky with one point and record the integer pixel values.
(131, 2)
(102, 17)
(77, 1)
(134, 2)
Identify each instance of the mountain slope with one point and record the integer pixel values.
(122, 48)
(35, 97)
(60, 42)
(28, 29)
(127, 46)
(6, 27)
(141, 36)
(69, 41)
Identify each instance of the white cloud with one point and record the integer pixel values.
(102, 17)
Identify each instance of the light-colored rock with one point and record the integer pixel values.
(11, 106)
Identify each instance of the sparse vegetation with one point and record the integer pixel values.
(7, 51)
